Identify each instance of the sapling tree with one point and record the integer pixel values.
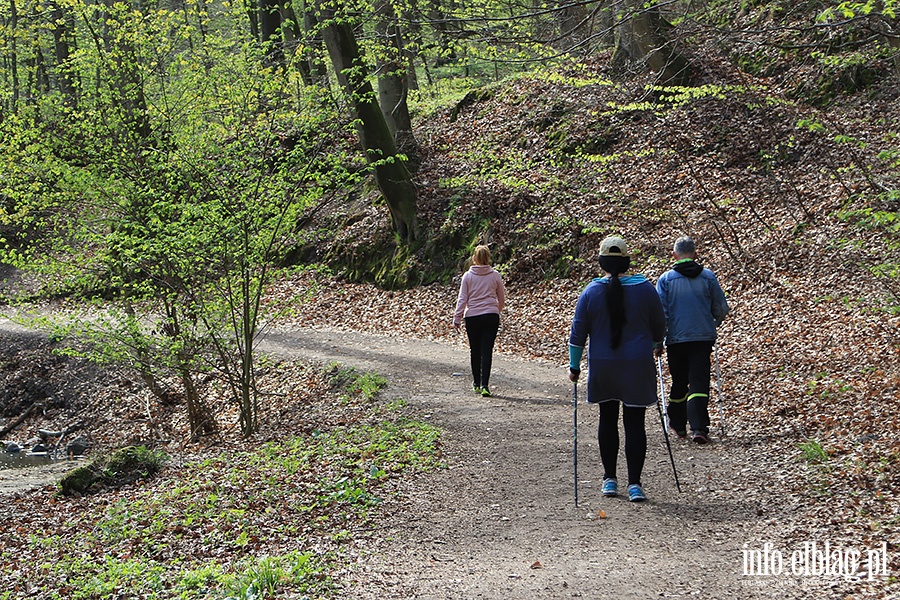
(172, 213)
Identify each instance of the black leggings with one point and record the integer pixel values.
(635, 439)
(482, 332)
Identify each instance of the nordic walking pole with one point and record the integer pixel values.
(662, 400)
(719, 389)
(575, 439)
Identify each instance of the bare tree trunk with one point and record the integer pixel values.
(270, 31)
(391, 74)
(391, 174)
(393, 82)
(640, 37)
(63, 34)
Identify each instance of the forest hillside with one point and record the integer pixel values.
(792, 200)
(788, 204)
(781, 159)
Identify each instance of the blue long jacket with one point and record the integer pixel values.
(693, 301)
(625, 373)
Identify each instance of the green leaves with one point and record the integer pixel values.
(851, 10)
(231, 525)
(173, 188)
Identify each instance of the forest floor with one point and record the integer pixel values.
(500, 520)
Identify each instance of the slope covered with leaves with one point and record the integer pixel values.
(236, 518)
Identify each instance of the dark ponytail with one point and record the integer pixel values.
(615, 298)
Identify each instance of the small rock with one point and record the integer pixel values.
(77, 447)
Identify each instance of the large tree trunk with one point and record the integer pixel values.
(63, 34)
(391, 174)
(393, 83)
(270, 31)
(640, 37)
(391, 74)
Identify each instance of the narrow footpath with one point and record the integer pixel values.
(500, 521)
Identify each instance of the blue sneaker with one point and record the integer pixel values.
(610, 487)
(635, 493)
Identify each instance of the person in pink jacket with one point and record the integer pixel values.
(481, 299)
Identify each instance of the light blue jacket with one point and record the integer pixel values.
(693, 301)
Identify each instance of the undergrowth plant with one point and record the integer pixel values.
(813, 452)
(267, 511)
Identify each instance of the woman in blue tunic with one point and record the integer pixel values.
(624, 320)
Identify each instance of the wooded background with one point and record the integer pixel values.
(172, 156)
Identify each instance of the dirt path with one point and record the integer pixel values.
(500, 521)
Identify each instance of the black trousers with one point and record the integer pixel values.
(635, 439)
(482, 332)
(689, 365)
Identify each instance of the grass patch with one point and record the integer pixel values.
(813, 452)
(357, 386)
(266, 522)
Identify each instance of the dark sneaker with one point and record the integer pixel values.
(700, 438)
(485, 392)
(610, 487)
(681, 433)
(635, 493)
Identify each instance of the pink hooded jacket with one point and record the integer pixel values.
(481, 292)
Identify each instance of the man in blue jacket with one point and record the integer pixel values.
(695, 306)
